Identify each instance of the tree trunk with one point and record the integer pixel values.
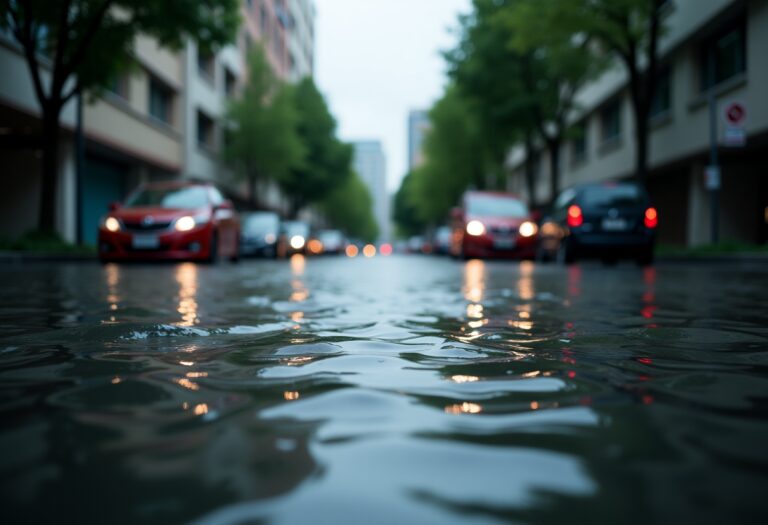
(50, 168)
(530, 176)
(553, 145)
(641, 131)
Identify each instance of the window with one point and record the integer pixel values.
(230, 83)
(206, 65)
(264, 23)
(579, 142)
(723, 56)
(610, 121)
(662, 98)
(119, 86)
(205, 131)
(160, 100)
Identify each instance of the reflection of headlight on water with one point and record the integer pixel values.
(297, 242)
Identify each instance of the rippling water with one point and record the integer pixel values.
(391, 390)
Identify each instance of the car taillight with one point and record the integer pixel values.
(651, 218)
(575, 217)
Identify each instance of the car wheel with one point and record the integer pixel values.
(235, 257)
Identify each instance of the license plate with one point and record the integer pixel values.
(614, 225)
(504, 244)
(146, 242)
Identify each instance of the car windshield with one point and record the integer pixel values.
(296, 228)
(609, 196)
(330, 237)
(496, 206)
(262, 222)
(176, 198)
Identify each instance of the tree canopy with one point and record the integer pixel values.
(349, 207)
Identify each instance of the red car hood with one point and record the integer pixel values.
(159, 215)
(499, 222)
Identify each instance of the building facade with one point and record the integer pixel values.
(418, 124)
(301, 39)
(709, 44)
(371, 165)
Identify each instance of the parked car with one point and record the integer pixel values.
(608, 220)
(331, 242)
(441, 240)
(171, 220)
(293, 238)
(493, 224)
(259, 234)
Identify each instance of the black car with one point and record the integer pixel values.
(607, 220)
(259, 234)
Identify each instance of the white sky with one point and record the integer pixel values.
(378, 59)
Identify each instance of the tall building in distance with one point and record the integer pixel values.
(371, 165)
(418, 124)
(301, 39)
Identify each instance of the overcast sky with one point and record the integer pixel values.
(378, 59)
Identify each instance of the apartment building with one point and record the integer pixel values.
(301, 39)
(730, 36)
(418, 125)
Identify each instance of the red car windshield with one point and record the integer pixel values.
(188, 197)
(496, 206)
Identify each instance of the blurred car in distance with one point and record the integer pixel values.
(418, 244)
(259, 233)
(170, 220)
(329, 242)
(441, 240)
(493, 224)
(294, 237)
(607, 220)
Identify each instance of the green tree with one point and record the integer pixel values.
(405, 209)
(626, 29)
(263, 140)
(456, 157)
(84, 43)
(349, 207)
(328, 160)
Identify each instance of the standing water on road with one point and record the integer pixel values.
(385, 390)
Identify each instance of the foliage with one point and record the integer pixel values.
(263, 141)
(349, 207)
(406, 209)
(86, 42)
(328, 160)
(45, 242)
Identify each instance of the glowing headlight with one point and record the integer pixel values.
(528, 229)
(475, 228)
(297, 242)
(112, 224)
(185, 224)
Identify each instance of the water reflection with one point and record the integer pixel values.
(186, 277)
(525, 287)
(112, 274)
(299, 293)
(474, 280)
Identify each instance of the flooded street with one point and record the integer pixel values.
(402, 389)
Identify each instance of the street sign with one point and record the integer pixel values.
(712, 177)
(734, 116)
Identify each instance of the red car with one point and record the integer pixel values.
(171, 220)
(493, 224)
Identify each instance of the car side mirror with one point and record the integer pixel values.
(113, 206)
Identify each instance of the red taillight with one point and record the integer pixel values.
(651, 218)
(575, 217)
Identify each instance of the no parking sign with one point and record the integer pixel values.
(734, 115)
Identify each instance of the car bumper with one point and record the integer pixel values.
(612, 243)
(256, 248)
(192, 245)
(490, 247)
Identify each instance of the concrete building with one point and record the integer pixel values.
(732, 35)
(418, 124)
(301, 39)
(370, 164)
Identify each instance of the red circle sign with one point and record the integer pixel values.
(735, 113)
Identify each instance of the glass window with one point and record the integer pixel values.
(724, 56)
(579, 142)
(230, 82)
(205, 131)
(175, 198)
(610, 120)
(120, 86)
(160, 99)
(206, 65)
(262, 223)
(662, 98)
(612, 195)
(496, 206)
(564, 198)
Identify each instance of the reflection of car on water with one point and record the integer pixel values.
(260, 232)
(294, 238)
(606, 220)
(170, 220)
(493, 224)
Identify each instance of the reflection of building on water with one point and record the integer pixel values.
(186, 277)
